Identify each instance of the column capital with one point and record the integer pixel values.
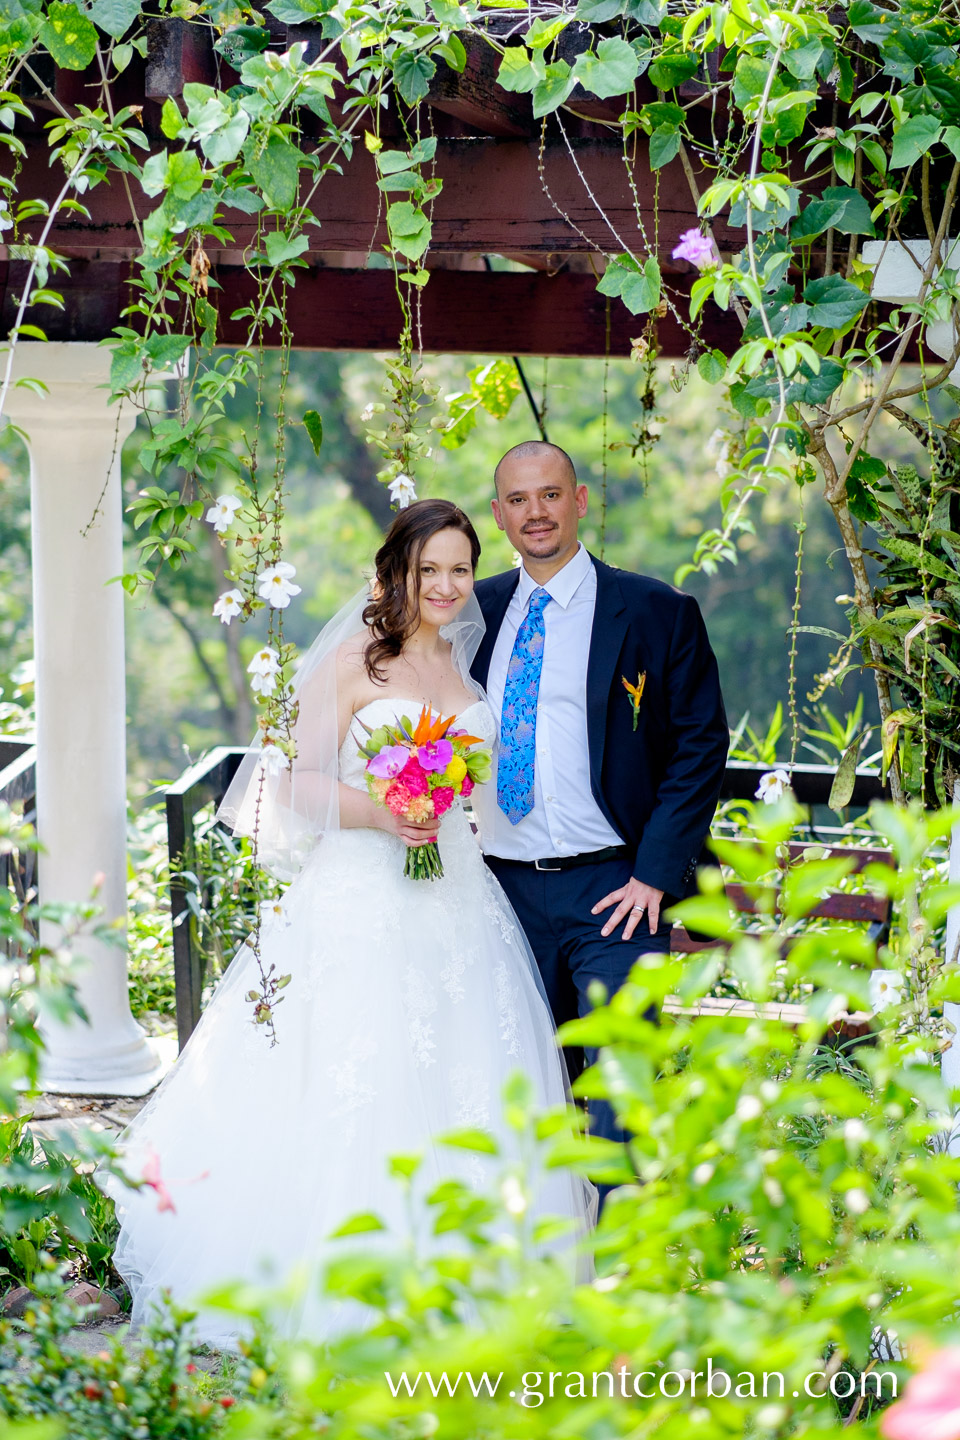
(76, 374)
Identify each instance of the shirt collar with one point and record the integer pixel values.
(560, 587)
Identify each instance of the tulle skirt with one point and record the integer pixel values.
(410, 1004)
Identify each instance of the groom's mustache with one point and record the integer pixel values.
(532, 525)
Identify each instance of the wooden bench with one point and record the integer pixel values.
(870, 909)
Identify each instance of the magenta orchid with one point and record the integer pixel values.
(389, 761)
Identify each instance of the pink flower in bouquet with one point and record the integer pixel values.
(389, 762)
(930, 1406)
(466, 787)
(435, 755)
(414, 777)
(442, 798)
(397, 798)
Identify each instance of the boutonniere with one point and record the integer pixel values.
(636, 694)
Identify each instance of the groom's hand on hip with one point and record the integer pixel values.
(635, 902)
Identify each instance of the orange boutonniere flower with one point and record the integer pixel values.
(636, 694)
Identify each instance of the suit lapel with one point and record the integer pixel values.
(606, 642)
(493, 605)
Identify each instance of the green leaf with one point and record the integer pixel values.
(225, 143)
(543, 32)
(471, 1139)
(280, 247)
(638, 287)
(69, 36)
(671, 70)
(171, 121)
(453, 53)
(409, 229)
(596, 12)
(712, 365)
(166, 350)
(841, 791)
(496, 385)
(126, 366)
(815, 218)
(361, 1224)
(664, 146)
(313, 425)
(915, 137)
(184, 175)
(412, 73)
(834, 302)
(122, 55)
(517, 71)
(550, 92)
(611, 71)
(114, 16)
(855, 219)
(274, 170)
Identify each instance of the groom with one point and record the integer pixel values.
(603, 794)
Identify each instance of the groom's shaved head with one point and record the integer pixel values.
(537, 450)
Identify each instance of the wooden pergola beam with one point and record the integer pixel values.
(462, 311)
(492, 202)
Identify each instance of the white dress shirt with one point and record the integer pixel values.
(565, 819)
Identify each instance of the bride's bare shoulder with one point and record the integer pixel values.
(350, 656)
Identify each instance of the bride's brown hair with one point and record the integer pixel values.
(394, 614)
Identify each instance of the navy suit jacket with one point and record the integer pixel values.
(658, 785)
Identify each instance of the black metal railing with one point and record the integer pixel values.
(203, 784)
(206, 783)
(18, 789)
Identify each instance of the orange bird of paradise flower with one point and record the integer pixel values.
(636, 694)
(427, 733)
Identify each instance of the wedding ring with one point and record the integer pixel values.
(638, 910)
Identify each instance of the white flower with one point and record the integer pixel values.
(402, 491)
(514, 1200)
(220, 515)
(772, 785)
(702, 1174)
(855, 1132)
(229, 604)
(274, 585)
(857, 1201)
(272, 915)
(6, 219)
(886, 989)
(748, 1107)
(272, 760)
(366, 414)
(264, 667)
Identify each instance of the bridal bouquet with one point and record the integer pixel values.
(417, 771)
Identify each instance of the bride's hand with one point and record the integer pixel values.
(411, 832)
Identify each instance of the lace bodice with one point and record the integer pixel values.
(477, 717)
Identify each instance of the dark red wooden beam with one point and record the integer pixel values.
(463, 311)
(492, 202)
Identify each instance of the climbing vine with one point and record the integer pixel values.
(800, 135)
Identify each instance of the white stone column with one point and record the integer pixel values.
(74, 437)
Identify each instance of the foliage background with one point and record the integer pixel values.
(187, 688)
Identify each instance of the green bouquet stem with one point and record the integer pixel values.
(423, 862)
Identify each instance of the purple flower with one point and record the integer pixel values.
(436, 755)
(696, 248)
(389, 761)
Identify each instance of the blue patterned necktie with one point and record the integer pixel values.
(518, 721)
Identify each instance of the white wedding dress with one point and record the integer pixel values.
(410, 1003)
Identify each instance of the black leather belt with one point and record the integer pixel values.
(569, 862)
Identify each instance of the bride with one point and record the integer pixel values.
(410, 1002)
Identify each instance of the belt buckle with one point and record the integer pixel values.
(547, 869)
